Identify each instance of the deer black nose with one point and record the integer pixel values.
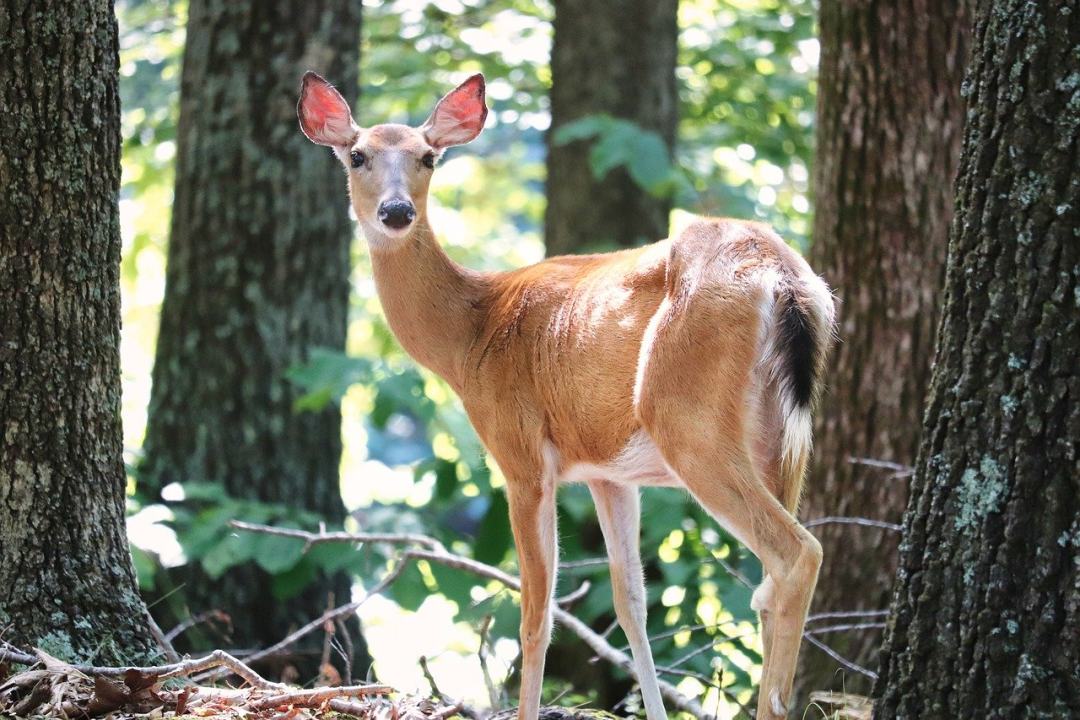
(397, 213)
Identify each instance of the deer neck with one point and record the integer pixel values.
(430, 301)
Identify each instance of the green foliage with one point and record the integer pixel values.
(747, 90)
(621, 143)
(326, 377)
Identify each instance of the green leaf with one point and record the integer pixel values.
(293, 581)
(598, 602)
(409, 590)
(204, 491)
(445, 478)
(455, 584)
(576, 503)
(234, 549)
(681, 571)
(493, 537)
(735, 597)
(662, 510)
(621, 143)
(206, 530)
(402, 391)
(582, 129)
(145, 567)
(326, 377)
(332, 557)
(276, 554)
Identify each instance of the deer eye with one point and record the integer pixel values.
(428, 160)
(358, 158)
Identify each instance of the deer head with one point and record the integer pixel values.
(390, 166)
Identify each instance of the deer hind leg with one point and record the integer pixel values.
(618, 508)
(765, 448)
(724, 485)
(533, 521)
(692, 391)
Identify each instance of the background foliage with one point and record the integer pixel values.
(412, 462)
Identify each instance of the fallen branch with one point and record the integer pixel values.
(317, 696)
(84, 691)
(185, 668)
(438, 554)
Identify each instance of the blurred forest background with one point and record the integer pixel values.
(741, 115)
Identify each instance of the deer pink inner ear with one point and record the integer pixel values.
(325, 116)
(459, 117)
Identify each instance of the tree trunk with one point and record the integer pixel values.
(66, 579)
(615, 57)
(258, 274)
(889, 129)
(986, 615)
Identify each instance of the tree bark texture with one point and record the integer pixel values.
(986, 613)
(890, 118)
(258, 275)
(615, 57)
(66, 580)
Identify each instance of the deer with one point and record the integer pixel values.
(694, 362)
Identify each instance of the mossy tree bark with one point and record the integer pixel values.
(66, 579)
(615, 57)
(258, 275)
(889, 129)
(986, 615)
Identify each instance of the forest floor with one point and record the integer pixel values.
(52, 688)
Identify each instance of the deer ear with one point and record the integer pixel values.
(324, 115)
(459, 116)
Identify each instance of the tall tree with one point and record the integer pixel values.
(889, 128)
(986, 616)
(66, 579)
(614, 57)
(257, 276)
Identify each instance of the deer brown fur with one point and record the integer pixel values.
(692, 363)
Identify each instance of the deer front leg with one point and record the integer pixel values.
(618, 507)
(532, 518)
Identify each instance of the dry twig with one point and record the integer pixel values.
(854, 667)
(199, 619)
(317, 696)
(898, 471)
(481, 652)
(865, 522)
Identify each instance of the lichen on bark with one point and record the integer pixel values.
(66, 579)
(986, 612)
(890, 117)
(257, 277)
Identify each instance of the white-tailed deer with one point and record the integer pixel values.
(691, 363)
